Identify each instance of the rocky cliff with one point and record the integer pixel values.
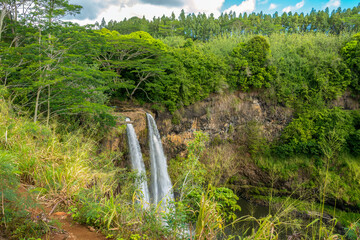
(231, 122)
(238, 125)
(222, 117)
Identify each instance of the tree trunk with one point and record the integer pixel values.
(40, 88)
(2, 17)
(143, 77)
(13, 27)
(37, 104)
(48, 112)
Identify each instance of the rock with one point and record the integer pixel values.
(60, 215)
(347, 101)
(92, 229)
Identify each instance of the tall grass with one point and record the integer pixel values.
(209, 222)
(56, 166)
(61, 165)
(66, 171)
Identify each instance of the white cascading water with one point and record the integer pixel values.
(160, 187)
(137, 163)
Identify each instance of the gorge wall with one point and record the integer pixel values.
(229, 120)
(238, 124)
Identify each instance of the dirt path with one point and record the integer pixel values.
(70, 230)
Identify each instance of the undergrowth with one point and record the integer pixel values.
(66, 170)
(307, 173)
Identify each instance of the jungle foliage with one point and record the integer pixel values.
(55, 69)
(61, 74)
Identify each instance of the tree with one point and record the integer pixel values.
(10, 16)
(52, 10)
(249, 63)
(16, 14)
(103, 23)
(60, 76)
(308, 132)
(310, 70)
(136, 59)
(351, 54)
(3, 14)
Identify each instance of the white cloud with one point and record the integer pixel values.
(333, 3)
(272, 6)
(139, 10)
(245, 6)
(263, 2)
(294, 8)
(92, 8)
(130, 8)
(209, 6)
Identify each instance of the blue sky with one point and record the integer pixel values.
(271, 6)
(95, 10)
(264, 5)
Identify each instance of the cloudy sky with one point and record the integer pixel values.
(95, 10)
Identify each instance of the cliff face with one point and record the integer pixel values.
(116, 140)
(222, 117)
(232, 121)
(347, 101)
(228, 118)
(238, 124)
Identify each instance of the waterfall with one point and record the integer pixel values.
(137, 163)
(161, 187)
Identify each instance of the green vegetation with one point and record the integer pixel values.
(307, 133)
(249, 62)
(58, 81)
(350, 53)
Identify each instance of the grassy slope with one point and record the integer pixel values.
(68, 171)
(58, 167)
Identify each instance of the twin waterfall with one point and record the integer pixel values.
(160, 184)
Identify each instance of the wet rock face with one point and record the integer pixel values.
(225, 118)
(116, 140)
(137, 118)
(222, 117)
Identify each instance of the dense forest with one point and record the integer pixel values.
(61, 84)
(202, 27)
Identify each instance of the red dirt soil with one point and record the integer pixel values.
(70, 230)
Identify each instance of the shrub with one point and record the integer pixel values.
(250, 64)
(15, 218)
(308, 133)
(224, 198)
(255, 141)
(354, 143)
(353, 232)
